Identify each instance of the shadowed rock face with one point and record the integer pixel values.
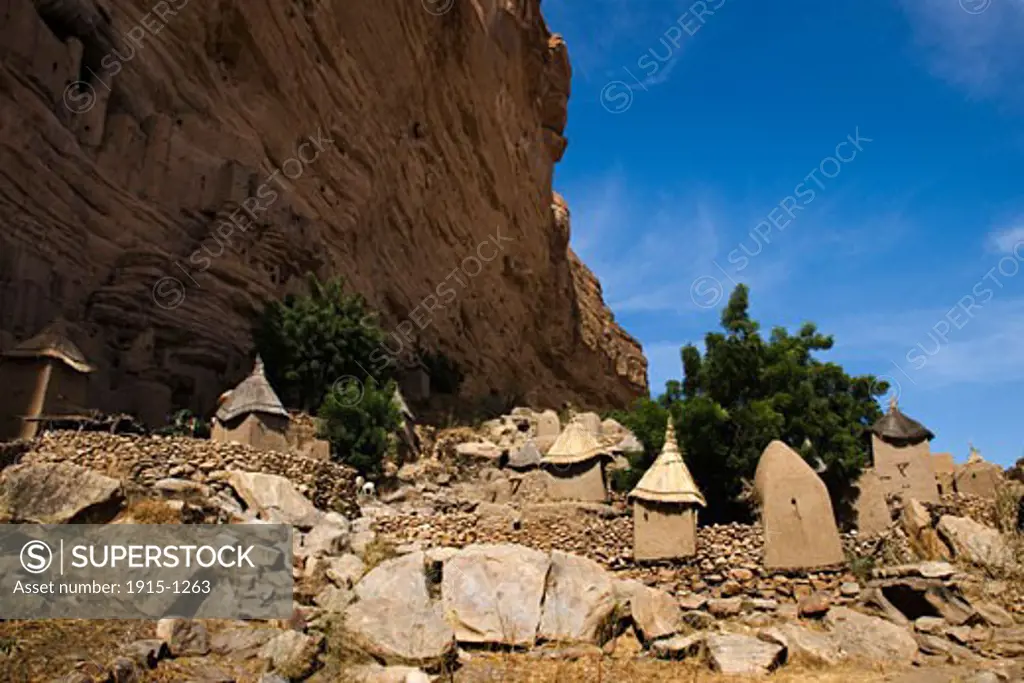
(166, 168)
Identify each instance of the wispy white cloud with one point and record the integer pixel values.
(646, 251)
(974, 44)
(941, 347)
(1004, 239)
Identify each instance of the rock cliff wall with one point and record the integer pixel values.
(167, 167)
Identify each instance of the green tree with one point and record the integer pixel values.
(359, 419)
(647, 419)
(744, 391)
(312, 341)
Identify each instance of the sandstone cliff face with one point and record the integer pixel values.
(167, 167)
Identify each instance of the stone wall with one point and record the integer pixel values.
(145, 460)
(728, 561)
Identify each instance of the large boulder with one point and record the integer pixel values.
(274, 498)
(924, 540)
(737, 654)
(493, 593)
(398, 633)
(484, 450)
(870, 638)
(579, 601)
(655, 613)
(974, 542)
(328, 537)
(57, 493)
(812, 647)
(402, 579)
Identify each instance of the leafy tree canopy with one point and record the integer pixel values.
(744, 391)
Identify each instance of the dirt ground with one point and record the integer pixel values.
(525, 669)
(41, 651)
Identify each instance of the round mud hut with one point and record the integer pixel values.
(665, 504)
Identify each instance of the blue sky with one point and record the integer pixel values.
(692, 142)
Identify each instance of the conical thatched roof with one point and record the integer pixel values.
(526, 457)
(52, 342)
(896, 427)
(669, 480)
(575, 444)
(253, 395)
(974, 455)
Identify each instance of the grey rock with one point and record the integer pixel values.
(398, 633)
(328, 537)
(183, 636)
(333, 599)
(655, 613)
(146, 653)
(293, 654)
(345, 571)
(806, 645)
(678, 647)
(242, 642)
(274, 498)
(493, 593)
(401, 579)
(57, 493)
(870, 638)
(579, 601)
(743, 655)
(974, 542)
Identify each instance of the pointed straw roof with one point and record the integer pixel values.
(526, 457)
(253, 395)
(574, 445)
(974, 455)
(53, 343)
(669, 480)
(897, 427)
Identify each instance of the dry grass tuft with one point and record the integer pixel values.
(380, 550)
(150, 511)
(518, 668)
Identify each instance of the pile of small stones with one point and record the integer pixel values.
(981, 510)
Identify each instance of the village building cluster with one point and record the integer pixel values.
(46, 379)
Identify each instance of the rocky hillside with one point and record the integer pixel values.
(166, 168)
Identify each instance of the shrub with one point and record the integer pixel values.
(359, 419)
(185, 423)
